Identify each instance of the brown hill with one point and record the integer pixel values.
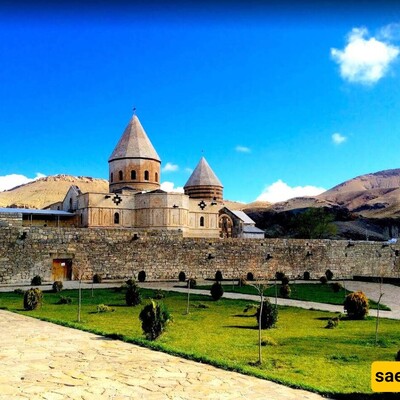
(45, 191)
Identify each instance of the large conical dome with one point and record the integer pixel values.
(134, 163)
(134, 143)
(203, 183)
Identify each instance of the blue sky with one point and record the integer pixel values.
(281, 100)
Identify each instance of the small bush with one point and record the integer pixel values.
(132, 296)
(19, 291)
(329, 274)
(102, 308)
(285, 280)
(216, 291)
(64, 300)
(397, 357)
(269, 342)
(250, 276)
(33, 299)
(159, 294)
(332, 323)
(279, 275)
(191, 283)
(357, 305)
(36, 280)
(201, 305)
(218, 276)
(182, 276)
(155, 318)
(57, 286)
(142, 276)
(323, 280)
(336, 287)
(250, 307)
(269, 315)
(97, 278)
(306, 276)
(285, 291)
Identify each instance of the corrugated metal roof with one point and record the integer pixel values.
(252, 229)
(243, 216)
(134, 143)
(32, 211)
(203, 175)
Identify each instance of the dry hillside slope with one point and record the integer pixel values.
(45, 191)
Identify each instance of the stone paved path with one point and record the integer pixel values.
(40, 360)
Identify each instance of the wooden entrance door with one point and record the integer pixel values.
(62, 269)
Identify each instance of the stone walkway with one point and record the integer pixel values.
(40, 360)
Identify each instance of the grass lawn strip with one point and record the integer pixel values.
(304, 354)
(317, 293)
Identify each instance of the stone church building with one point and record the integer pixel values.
(135, 199)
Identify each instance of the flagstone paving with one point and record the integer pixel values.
(40, 360)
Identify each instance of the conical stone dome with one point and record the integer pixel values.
(203, 183)
(134, 163)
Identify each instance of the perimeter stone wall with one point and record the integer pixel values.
(119, 253)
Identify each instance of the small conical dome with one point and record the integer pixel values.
(203, 183)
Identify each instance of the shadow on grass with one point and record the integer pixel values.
(363, 396)
(241, 327)
(244, 315)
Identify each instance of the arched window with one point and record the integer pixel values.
(133, 174)
(116, 218)
(112, 177)
(156, 177)
(120, 175)
(201, 221)
(146, 175)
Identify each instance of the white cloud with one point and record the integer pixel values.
(281, 191)
(169, 167)
(365, 59)
(242, 149)
(10, 181)
(169, 187)
(338, 138)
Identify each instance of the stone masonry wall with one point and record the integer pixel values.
(116, 253)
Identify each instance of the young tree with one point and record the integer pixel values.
(79, 268)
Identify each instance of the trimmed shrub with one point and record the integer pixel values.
(36, 280)
(191, 283)
(19, 291)
(397, 357)
(216, 291)
(102, 308)
(357, 305)
(306, 276)
(57, 286)
(64, 300)
(329, 274)
(142, 276)
(285, 280)
(218, 276)
(269, 315)
(285, 291)
(279, 275)
(97, 278)
(332, 323)
(323, 280)
(132, 296)
(182, 276)
(336, 287)
(159, 294)
(250, 276)
(155, 318)
(33, 299)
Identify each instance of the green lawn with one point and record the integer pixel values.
(330, 361)
(303, 291)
